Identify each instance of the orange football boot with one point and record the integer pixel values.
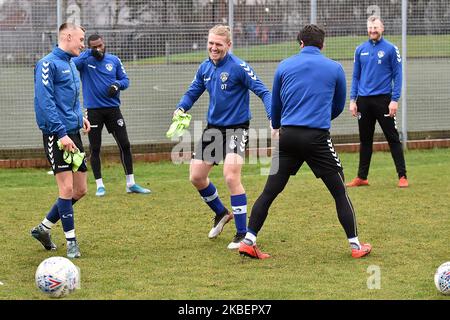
(358, 182)
(403, 182)
(252, 251)
(364, 250)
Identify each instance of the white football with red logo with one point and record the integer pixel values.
(57, 277)
(442, 278)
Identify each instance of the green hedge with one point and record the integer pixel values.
(337, 48)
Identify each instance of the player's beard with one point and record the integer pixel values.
(375, 36)
(104, 52)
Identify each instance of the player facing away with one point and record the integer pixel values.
(309, 91)
(103, 76)
(228, 80)
(376, 88)
(59, 116)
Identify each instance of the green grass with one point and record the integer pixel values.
(156, 246)
(337, 48)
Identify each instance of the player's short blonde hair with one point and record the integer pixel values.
(70, 26)
(222, 30)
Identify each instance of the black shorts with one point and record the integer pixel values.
(217, 142)
(372, 109)
(110, 117)
(56, 157)
(300, 144)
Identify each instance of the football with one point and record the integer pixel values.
(57, 277)
(442, 278)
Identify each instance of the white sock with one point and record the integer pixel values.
(70, 234)
(130, 180)
(250, 236)
(47, 224)
(354, 242)
(99, 183)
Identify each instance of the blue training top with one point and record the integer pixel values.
(227, 83)
(56, 94)
(309, 90)
(98, 76)
(377, 70)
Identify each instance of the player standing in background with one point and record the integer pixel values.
(103, 76)
(228, 80)
(376, 88)
(308, 92)
(59, 116)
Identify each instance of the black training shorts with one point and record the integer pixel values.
(56, 157)
(301, 144)
(110, 117)
(217, 142)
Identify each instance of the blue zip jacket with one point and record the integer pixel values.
(227, 83)
(309, 90)
(98, 76)
(56, 94)
(377, 70)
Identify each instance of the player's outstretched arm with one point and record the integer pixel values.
(254, 84)
(195, 90)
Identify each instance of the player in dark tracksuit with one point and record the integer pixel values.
(103, 77)
(309, 91)
(376, 88)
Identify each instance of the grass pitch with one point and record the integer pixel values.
(156, 246)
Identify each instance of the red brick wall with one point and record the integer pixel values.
(166, 156)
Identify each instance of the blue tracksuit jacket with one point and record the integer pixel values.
(377, 70)
(56, 94)
(98, 76)
(227, 83)
(309, 90)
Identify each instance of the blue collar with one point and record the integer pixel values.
(62, 54)
(376, 42)
(310, 50)
(221, 62)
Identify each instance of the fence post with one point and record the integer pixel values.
(313, 12)
(58, 17)
(404, 72)
(231, 19)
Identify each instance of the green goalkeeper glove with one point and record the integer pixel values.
(75, 158)
(180, 122)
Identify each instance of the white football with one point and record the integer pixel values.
(57, 277)
(442, 278)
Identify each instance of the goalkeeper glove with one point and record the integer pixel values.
(113, 89)
(180, 122)
(74, 158)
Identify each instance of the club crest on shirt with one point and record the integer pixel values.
(233, 140)
(109, 66)
(380, 54)
(224, 76)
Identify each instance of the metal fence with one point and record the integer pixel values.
(162, 42)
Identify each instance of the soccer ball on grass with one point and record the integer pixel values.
(57, 277)
(442, 278)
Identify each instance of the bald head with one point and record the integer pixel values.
(71, 38)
